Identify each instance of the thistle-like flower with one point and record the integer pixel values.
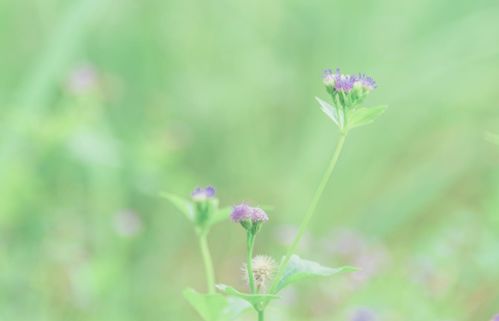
(337, 81)
(347, 90)
(241, 212)
(347, 93)
(329, 78)
(205, 205)
(263, 271)
(364, 82)
(202, 194)
(344, 83)
(251, 218)
(259, 215)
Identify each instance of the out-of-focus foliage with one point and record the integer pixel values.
(103, 104)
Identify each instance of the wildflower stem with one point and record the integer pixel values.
(251, 278)
(261, 315)
(208, 263)
(311, 209)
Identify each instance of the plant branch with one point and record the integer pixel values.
(249, 265)
(208, 263)
(310, 212)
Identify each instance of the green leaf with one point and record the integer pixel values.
(362, 116)
(256, 300)
(331, 112)
(492, 138)
(183, 205)
(215, 307)
(299, 269)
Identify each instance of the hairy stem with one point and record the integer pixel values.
(208, 263)
(250, 244)
(311, 209)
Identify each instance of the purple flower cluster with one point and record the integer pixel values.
(345, 83)
(244, 212)
(201, 194)
(495, 318)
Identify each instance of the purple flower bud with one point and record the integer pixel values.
(343, 83)
(364, 82)
(241, 212)
(328, 78)
(259, 215)
(244, 212)
(201, 194)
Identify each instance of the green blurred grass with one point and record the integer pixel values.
(221, 92)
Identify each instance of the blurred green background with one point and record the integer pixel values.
(103, 104)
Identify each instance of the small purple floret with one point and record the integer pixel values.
(244, 212)
(241, 212)
(364, 81)
(345, 83)
(259, 215)
(201, 194)
(328, 77)
(495, 318)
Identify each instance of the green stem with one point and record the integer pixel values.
(250, 244)
(261, 315)
(311, 209)
(208, 263)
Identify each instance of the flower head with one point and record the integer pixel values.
(244, 212)
(364, 82)
(344, 83)
(259, 215)
(201, 194)
(339, 82)
(263, 270)
(241, 212)
(251, 218)
(328, 78)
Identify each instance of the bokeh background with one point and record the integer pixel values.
(104, 104)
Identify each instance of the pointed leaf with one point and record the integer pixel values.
(215, 307)
(362, 116)
(183, 205)
(331, 112)
(209, 306)
(299, 269)
(235, 306)
(253, 299)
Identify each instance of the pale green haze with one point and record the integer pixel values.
(104, 105)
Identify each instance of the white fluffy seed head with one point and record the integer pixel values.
(263, 270)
